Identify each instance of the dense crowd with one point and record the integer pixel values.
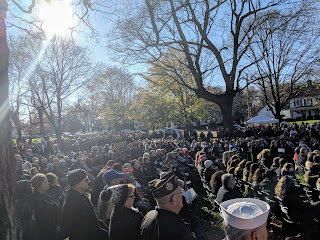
(135, 186)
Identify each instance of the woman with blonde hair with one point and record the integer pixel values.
(47, 211)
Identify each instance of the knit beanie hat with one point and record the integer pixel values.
(75, 176)
(117, 194)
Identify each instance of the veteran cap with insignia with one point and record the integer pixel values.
(164, 186)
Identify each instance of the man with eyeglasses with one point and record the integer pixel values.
(79, 220)
(164, 222)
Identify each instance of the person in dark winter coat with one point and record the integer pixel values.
(47, 211)
(125, 220)
(55, 191)
(226, 192)
(164, 222)
(79, 220)
(297, 210)
(24, 209)
(137, 173)
(209, 170)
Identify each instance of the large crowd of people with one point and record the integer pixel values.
(135, 185)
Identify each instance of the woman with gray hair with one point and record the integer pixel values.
(227, 190)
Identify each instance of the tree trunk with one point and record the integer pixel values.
(278, 113)
(41, 123)
(226, 111)
(8, 224)
(16, 120)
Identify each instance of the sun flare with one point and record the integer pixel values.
(57, 18)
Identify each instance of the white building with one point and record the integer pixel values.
(305, 106)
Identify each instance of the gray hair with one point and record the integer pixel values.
(233, 233)
(225, 178)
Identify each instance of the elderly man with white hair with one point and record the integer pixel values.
(245, 219)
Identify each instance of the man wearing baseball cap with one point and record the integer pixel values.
(245, 218)
(164, 223)
(79, 221)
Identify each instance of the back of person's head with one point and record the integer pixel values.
(234, 157)
(118, 167)
(110, 163)
(238, 172)
(284, 185)
(282, 162)
(231, 170)
(37, 180)
(310, 156)
(253, 169)
(225, 178)
(216, 179)
(245, 218)
(263, 154)
(276, 161)
(51, 177)
(288, 167)
(247, 165)
(270, 175)
(316, 159)
(235, 163)
(315, 169)
(258, 175)
(233, 233)
(302, 149)
(242, 163)
(23, 189)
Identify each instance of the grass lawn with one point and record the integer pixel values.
(307, 121)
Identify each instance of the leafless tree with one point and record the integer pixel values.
(113, 91)
(288, 49)
(214, 36)
(19, 63)
(63, 69)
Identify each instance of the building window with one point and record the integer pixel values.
(297, 103)
(308, 102)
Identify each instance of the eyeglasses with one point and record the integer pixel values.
(131, 196)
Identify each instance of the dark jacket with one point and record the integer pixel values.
(24, 209)
(268, 187)
(139, 177)
(125, 224)
(79, 220)
(162, 224)
(48, 216)
(57, 193)
(97, 187)
(225, 194)
(298, 210)
(207, 174)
